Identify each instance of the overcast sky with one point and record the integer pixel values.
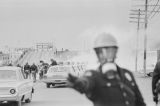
(68, 23)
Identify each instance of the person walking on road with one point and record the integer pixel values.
(41, 69)
(156, 82)
(34, 71)
(27, 70)
(53, 62)
(109, 85)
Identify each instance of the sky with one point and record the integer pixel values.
(73, 25)
(63, 22)
(70, 24)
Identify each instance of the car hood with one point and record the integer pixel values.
(9, 83)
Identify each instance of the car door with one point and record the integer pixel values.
(26, 85)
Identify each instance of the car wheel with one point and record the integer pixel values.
(29, 99)
(48, 85)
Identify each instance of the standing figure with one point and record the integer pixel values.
(27, 70)
(53, 62)
(41, 69)
(34, 71)
(109, 85)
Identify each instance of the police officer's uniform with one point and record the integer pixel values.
(109, 92)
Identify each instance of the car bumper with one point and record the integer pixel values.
(54, 81)
(9, 98)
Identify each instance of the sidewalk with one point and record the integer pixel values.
(145, 87)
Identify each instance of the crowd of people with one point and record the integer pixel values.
(31, 71)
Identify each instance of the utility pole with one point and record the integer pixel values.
(145, 36)
(148, 13)
(138, 17)
(137, 41)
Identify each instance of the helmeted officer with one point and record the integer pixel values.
(109, 85)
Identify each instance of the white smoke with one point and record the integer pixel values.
(125, 39)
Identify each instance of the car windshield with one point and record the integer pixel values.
(8, 75)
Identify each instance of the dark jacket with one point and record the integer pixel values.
(155, 78)
(26, 67)
(110, 92)
(53, 63)
(34, 68)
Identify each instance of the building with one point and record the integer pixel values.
(4, 59)
(45, 47)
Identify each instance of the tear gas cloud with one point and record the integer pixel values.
(126, 42)
(127, 45)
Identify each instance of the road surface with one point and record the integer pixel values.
(61, 96)
(145, 87)
(67, 97)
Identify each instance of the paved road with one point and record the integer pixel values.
(67, 97)
(57, 97)
(146, 89)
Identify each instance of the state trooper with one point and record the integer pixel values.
(109, 85)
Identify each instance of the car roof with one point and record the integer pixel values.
(10, 68)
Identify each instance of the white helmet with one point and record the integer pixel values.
(105, 40)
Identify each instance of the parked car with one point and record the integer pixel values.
(58, 74)
(14, 87)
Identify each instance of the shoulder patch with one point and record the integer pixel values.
(88, 74)
(128, 76)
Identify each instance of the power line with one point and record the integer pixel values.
(153, 10)
(150, 0)
(144, 11)
(147, 13)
